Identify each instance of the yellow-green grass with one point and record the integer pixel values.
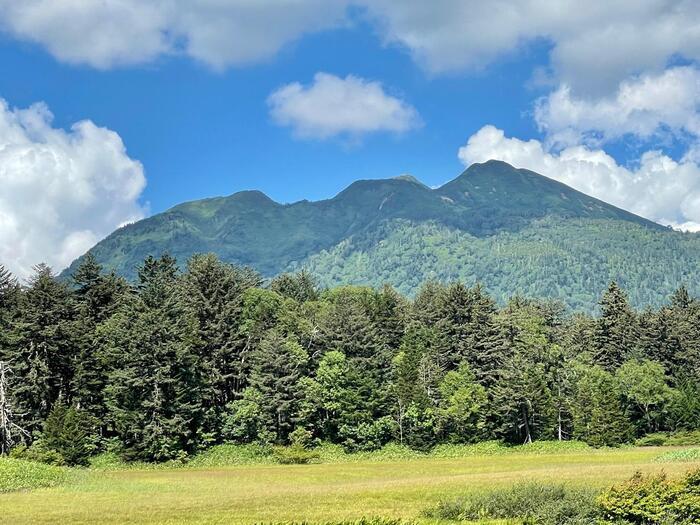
(267, 493)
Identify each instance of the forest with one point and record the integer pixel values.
(179, 361)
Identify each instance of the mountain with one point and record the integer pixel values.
(514, 230)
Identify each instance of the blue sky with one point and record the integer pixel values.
(175, 102)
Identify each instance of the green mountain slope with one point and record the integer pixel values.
(512, 229)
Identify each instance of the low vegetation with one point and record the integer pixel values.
(541, 503)
(211, 489)
(16, 474)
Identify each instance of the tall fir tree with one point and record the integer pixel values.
(615, 335)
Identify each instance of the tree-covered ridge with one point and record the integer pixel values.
(490, 205)
(182, 360)
(572, 261)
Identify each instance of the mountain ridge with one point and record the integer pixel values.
(487, 201)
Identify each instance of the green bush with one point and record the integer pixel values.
(38, 452)
(361, 521)
(657, 439)
(677, 439)
(653, 500)
(689, 437)
(16, 474)
(295, 455)
(539, 503)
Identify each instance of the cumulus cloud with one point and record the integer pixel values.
(659, 188)
(645, 106)
(332, 106)
(62, 191)
(592, 49)
(107, 33)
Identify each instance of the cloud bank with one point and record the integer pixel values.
(62, 191)
(331, 106)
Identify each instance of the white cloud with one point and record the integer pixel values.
(592, 48)
(644, 106)
(60, 191)
(332, 106)
(659, 188)
(108, 33)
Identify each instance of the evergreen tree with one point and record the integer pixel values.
(45, 348)
(70, 432)
(97, 297)
(278, 365)
(616, 331)
(153, 385)
(599, 419)
(213, 295)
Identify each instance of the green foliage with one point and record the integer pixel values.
(654, 499)
(71, 433)
(17, 474)
(361, 521)
(531, 502)
(38, 452)
(688, 454)
(295, 455)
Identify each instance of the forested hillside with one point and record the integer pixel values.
(513, 230)
(179, 361)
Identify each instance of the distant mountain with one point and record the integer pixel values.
(515, 231)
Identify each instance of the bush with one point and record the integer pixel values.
(657, 439)
(38, 452)
(16, 474)
(295, 455)
(689, 437)
(653, 499)
(361, 521)
(677, 439)
(540, 503)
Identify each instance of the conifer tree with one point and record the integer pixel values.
(153, 384)
(213, 294)
(278, 364)
(616, 329)
(45, 348)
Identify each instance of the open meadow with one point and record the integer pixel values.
(347, 489)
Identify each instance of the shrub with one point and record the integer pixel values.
(653, 499)
(361, 521)
(540, 503)
(690, 437)
(295, 455)
(657, 439)
(39, 453)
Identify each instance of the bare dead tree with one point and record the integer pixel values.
(9, 430)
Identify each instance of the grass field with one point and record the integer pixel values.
(267, 493)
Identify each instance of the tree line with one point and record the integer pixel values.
(182, 360)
